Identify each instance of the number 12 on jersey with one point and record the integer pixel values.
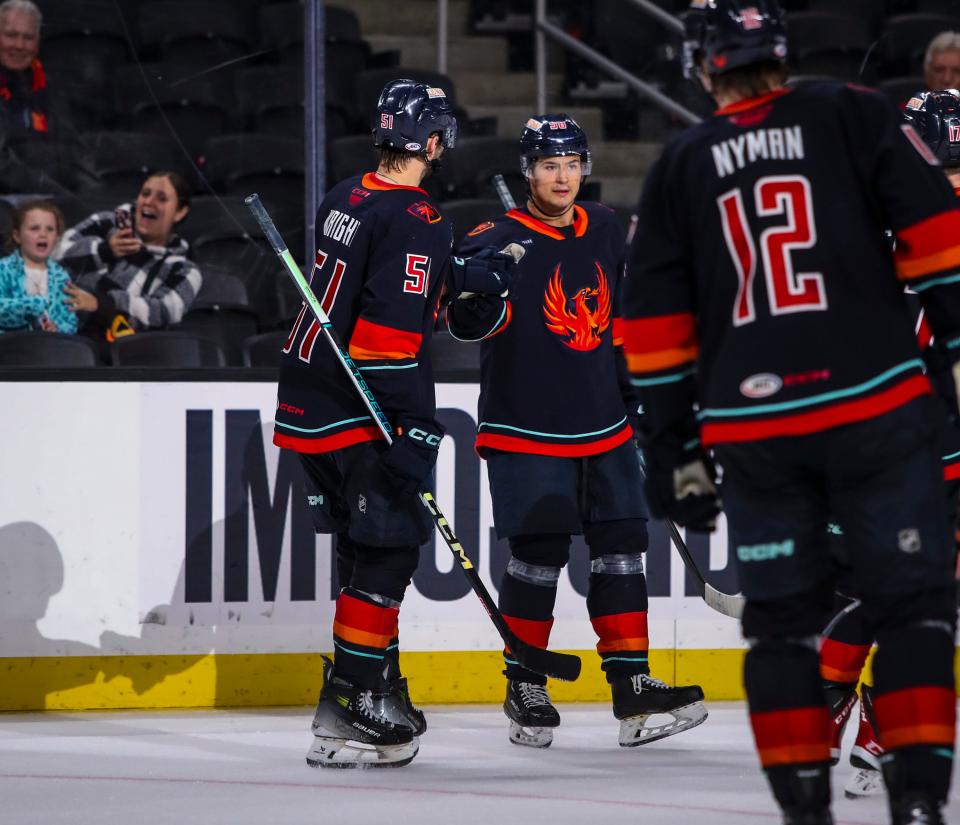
(789, 197)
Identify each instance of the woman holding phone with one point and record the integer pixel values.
(131, 270)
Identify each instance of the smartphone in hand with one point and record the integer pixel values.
(123, 218)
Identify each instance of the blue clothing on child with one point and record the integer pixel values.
(18, 310)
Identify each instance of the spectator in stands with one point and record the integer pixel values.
(131, 269)
(941, 66)
(33, 287)
(23, 85)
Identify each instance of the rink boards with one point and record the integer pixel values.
(156, 551)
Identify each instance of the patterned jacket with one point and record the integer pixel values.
(153, 288)
(21, 311)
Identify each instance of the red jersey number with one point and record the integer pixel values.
(329, 296)
(417, 274)
(788, 291)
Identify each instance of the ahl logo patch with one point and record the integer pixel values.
(581, 320)
(482, 227)
(425, 211)
(762, 385)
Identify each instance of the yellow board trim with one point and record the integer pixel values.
(231, 680)
(250, 680)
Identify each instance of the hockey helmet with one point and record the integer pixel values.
(550, 136)
(936, 118)
(731, 34)
(408, 112)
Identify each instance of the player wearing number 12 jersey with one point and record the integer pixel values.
(766, 320)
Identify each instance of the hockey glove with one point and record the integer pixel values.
(489, 272)
(681, 486)
(408, 462)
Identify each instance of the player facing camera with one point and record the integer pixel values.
(413, 122)
(555, 160)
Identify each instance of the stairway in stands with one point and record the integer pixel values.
(485, 87)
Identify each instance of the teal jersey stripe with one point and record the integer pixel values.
(357, 652)
(619, 424)
(952, 455)
(949, 279)
(673, 378)
(624, 658)
(866, 386)
(326, 427)
(414, 365)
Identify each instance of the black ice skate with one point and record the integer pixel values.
(395, 706)
(920, 810)
(531, 713)
(637, 698)
(349, 732)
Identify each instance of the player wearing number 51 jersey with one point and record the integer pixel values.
(383, 254)
(765, 319)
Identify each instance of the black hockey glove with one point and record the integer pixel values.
(681, 486)
(489, 272)
(408, 462)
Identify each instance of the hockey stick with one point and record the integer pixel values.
(728, 604)
(503, 192)
(557, 665)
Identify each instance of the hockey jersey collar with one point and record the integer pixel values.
(374, 182)
(580, 221)
(751, 102)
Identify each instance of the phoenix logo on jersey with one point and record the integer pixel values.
(580, 320)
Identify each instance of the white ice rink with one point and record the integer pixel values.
(247, 766)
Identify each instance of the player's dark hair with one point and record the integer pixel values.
(393, 160)
(750, 81)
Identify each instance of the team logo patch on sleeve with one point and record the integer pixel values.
(425, 211)
(580, 320)
(480, 227)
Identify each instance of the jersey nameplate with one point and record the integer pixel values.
(340, 227)
(760, 144)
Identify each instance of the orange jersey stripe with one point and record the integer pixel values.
(918, 735)
(639, 643)
(842, 662)
(373, 181)
(794, 754)
(618, 334)
(515, 444)
(360, 637)
(330, 443)
(376, 342)
(929, 246)
(663, 360)
(580, 222)
(817, 420)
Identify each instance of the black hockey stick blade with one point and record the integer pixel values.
(564, 666)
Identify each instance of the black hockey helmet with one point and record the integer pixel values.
(731, 34)
(549, 136)
(408, 112)
(936, 118)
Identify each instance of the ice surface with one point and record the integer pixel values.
(247, 766)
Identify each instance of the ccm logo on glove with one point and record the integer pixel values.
(429, 439)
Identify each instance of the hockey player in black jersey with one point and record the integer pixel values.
(555, 426)
(766, 320)
(935, 116)
(383, 255)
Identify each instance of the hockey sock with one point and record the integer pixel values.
(528, 593)
(846, 645)
(914, 705)
(362, 629)
(391, 661)
(788, 710)
(617, 603)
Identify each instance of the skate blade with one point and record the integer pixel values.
(530, 737)
(326, 752)
(864, 783)
(633, 731)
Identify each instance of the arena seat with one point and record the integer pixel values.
(264, 350)
(272, 166)
(206, 32)
(350, 155)
(271, 98)
(901, 89)
(227, 324)
(220, 286)
(166, 349)
(466, 173)
(817, 31)
(906, 37)
(122, 160)
(46, 349)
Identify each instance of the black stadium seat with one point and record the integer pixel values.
(271, 166)
(123, 160)
(220, 286)
(350, 156)
(815, 31)
(228, 325)
(906, 38)
(46, 349)
(199, 31)
(466, 173)
(166, 349)
(281, 31)
(271, 99)
(901, 89)
(264, 350)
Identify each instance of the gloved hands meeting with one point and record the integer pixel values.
(489, 272)
(408, 462)
(681, 485)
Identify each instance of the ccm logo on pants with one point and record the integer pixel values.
(765, 552)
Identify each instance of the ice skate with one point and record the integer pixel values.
(866, 751)
(637, 698)
(918, 810)
(864, 782)
(349, 732)
(395, 706)
(531, 713)
(841, 699)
